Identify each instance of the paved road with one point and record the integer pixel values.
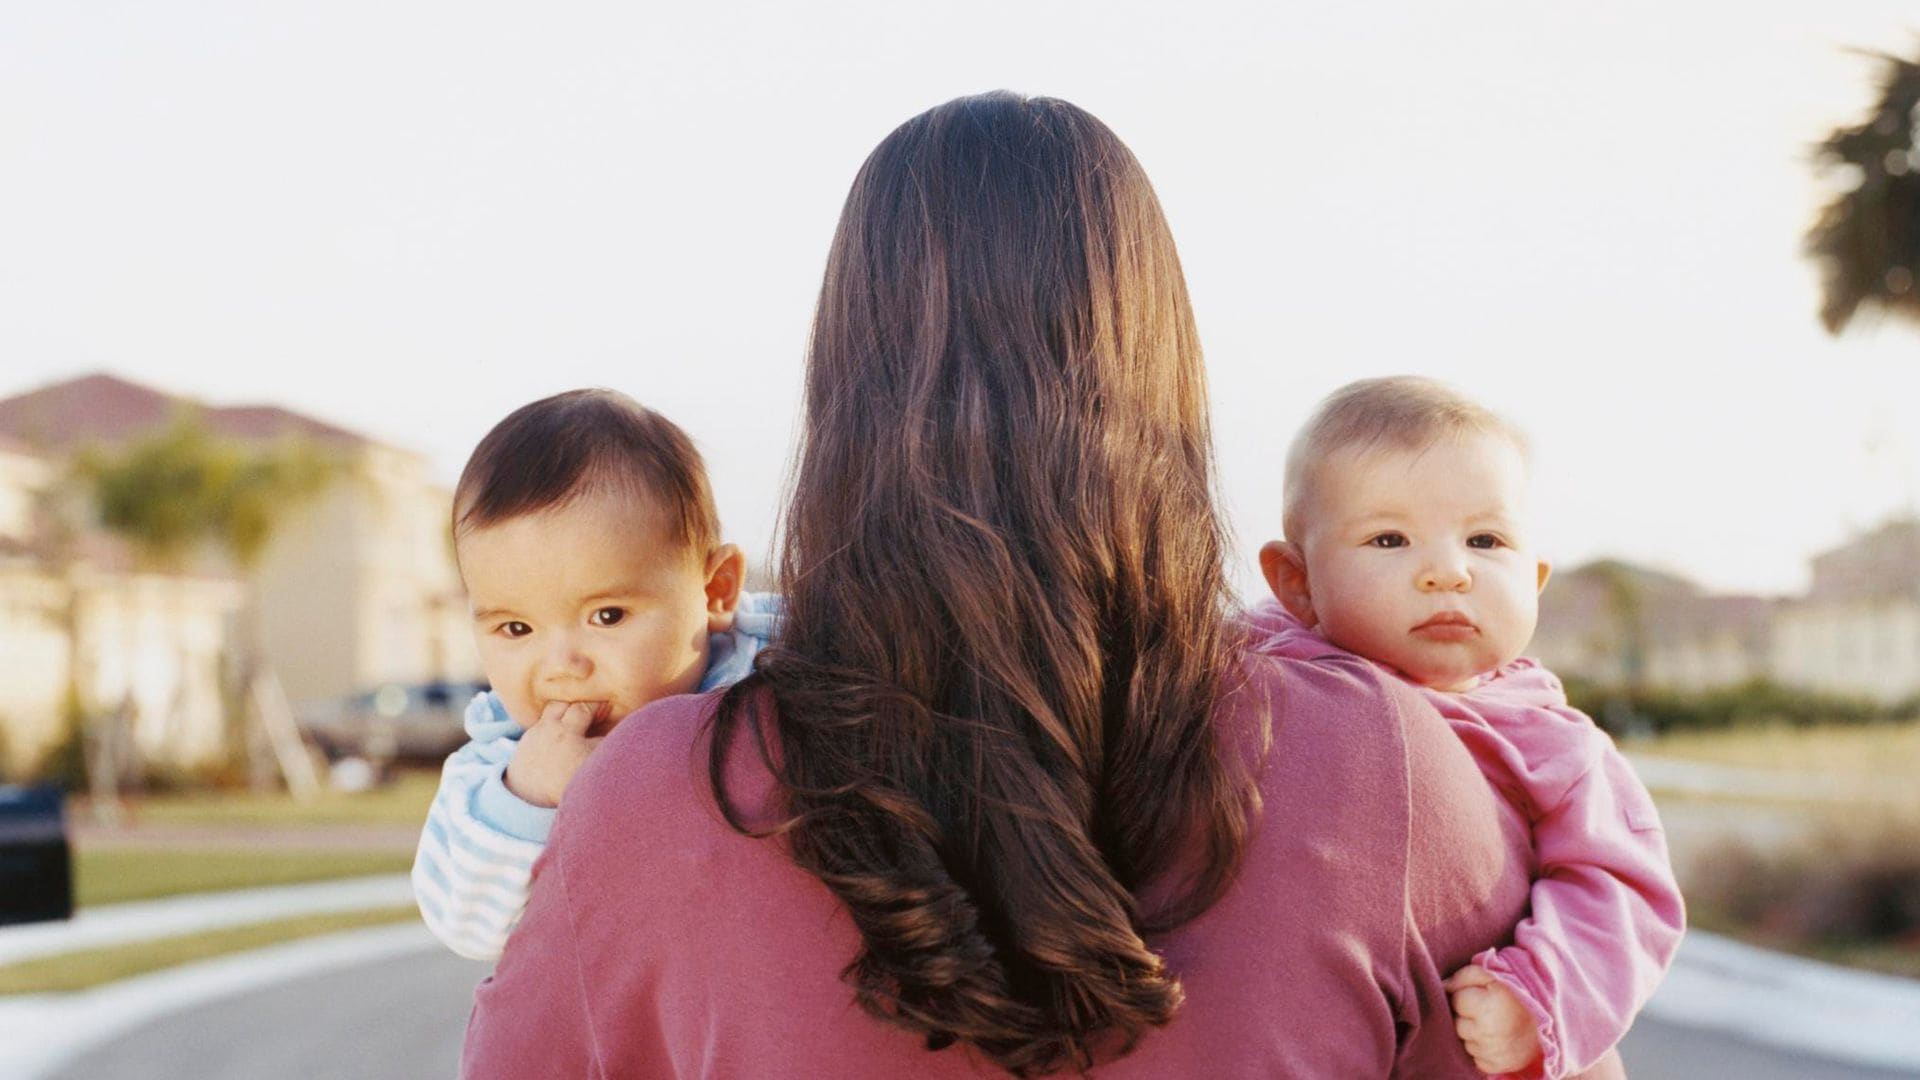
(401, 1019)
(397, 1019)
(1656, 1051)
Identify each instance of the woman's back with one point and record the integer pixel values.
(661, 942)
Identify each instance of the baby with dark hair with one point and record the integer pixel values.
(585, 532)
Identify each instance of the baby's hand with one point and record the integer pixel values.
(1498, 1032)
(552, 750)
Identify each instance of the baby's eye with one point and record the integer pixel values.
(1487, 541)
(515, 629)
(609, 616)
(1388, 540)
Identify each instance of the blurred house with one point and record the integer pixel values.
(1855, 633)
(1620, 624)
(356, 588)
(1857, 630)
(1703, 641)
(85, 617)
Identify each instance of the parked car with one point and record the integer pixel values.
(413, 723)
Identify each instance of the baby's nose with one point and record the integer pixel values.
(567, 660)
(1445, 579)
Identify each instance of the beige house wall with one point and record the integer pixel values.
(21, 477)
(356, 589)
(159, 641)
(1863, 647)
(33, 663)
(152, 640)
(1594, 654)
(1710, 660)
(304, 595)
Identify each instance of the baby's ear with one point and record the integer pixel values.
(1545, 571)
(1285, 567)
(726, 574)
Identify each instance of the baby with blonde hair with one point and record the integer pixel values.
(1408, 542)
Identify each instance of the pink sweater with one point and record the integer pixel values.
(1606, 912)
(660, 943)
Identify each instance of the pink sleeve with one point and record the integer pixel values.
(1606, 918)
(531, 1016)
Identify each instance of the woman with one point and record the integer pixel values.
(1007, 780)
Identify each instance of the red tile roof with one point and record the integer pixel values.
(108, 409)
(11, 445)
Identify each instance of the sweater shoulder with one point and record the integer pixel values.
(1337, 707)
(647, 778)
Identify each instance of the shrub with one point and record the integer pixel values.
(1860, 885)
(1656, 711)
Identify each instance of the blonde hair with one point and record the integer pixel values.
(1400, 412)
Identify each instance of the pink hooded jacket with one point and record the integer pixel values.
(1606, 912)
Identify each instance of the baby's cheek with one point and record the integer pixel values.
(1361, 619)
(1363, 636)
(519, 707)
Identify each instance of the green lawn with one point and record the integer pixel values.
(111, 875)
(79, 971)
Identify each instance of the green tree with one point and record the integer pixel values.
(1867, 240)
(175, 492)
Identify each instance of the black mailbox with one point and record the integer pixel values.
(36, 872)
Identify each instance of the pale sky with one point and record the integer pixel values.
(410, 218)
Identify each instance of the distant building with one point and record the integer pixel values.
(1855, 633)
(1619, 624)
(356, 588)
(1858, 628)
(86, 617)
(1704, 641)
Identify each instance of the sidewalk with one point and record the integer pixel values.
(1716, 984)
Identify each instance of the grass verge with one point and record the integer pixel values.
(83, 970)
(112, 875)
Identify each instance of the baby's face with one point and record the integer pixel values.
(585, 602)
(1421, 560)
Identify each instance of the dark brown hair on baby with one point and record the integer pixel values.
(557, 449)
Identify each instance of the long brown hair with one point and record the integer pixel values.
(1004, 637)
